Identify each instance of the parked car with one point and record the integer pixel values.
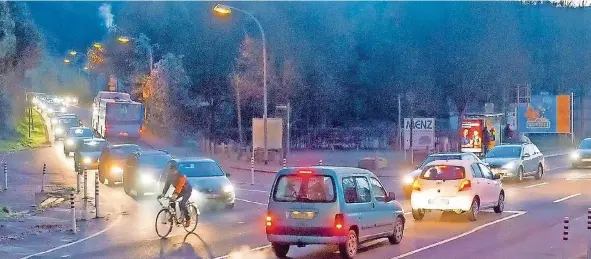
(582, 155)
(74, 137)
(211, 186)
(410, 178)
(516, 161)
(88, 153)
(331, 205)
(143, 172)
(112, 162)
(460, 186)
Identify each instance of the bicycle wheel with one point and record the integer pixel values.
(164, 223)
(193, 217)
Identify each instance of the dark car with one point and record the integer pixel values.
(516, 161)
(582, 156)
(211, 186)
(88, 152)
(63, 123)
(408, 179)
(143, 172)
(74, 137)
(112, 161)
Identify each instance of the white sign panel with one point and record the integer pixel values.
(423, 134)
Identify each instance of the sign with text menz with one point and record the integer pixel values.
(545, 114)
(423, 133)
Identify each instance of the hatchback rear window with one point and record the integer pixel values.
(443, 172)
(304, 188)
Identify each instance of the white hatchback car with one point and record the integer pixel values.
(461, 186)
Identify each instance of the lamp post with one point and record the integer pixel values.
(227, 10)
(125, 40)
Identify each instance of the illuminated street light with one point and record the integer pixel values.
(227, 10)
(66, 60)
(73, 53)
(123, 39)
(97, 45)
(85, 68)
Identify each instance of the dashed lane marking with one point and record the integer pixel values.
(249, 190)
(253, 202)
(535, 185)
(566, 198)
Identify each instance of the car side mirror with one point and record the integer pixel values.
(228, 174)
(391, 197)
(526, 155)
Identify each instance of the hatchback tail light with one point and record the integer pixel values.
(416, 185)
(339, 221)
(269, 220)
(465, 185)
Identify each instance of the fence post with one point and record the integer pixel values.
(73, 210)
(5, 176)
(43, 178)
(565, 231)
(96, 194)
(252, 170)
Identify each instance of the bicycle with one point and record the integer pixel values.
(167, 217)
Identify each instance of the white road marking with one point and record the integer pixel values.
(248, 190)
(253, 202)
(518, 213)
(566, 198)
(535, 185)
(248, 251)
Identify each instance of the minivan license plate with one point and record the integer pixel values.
(302, 215)
(439, 201)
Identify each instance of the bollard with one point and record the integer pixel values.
(589, 218)
(85, 185)
(73, 209)
(5, 176)
(284, 162)
(96, 194)
(43, 178)
(565, 231)
(77, 169)
(320, 162)
(252, 170)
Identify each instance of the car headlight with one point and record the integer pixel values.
(228, 188)
(147, 179)
(59, 131)
(510, 165)
(70, 142)
(575, 155)
(54, 121)
(87, 160)
(116, 170)
(63, 109)
(408, 180)
(75, 100)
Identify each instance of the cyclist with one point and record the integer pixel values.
(182, 190)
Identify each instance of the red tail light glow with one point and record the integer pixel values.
(416, 185)
(339, 221)
(269, 219)
(465, 185)
(304, 172)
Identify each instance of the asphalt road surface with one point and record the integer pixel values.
(530, 227)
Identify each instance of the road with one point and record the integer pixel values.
(531, 226)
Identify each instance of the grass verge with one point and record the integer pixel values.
(22, 140)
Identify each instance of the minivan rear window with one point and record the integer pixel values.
(304, 188)
(443, 172)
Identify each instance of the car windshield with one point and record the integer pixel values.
(504, 151)
(158, 161)
(200, 169)
(93, 146)
(443, 172)
(304, 188)
(70, 121)
(123, 151)
(585, 144)
(430, 159)
(80, 133)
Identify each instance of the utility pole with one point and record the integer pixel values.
(400, 126)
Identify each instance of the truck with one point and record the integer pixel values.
(118, 118)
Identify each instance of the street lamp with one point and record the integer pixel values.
(73, 53)
(125, 40)
(66, 60)
(97, 45)
(227, 10)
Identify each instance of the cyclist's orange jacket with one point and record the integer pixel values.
(181, 184)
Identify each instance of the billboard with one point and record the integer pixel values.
(423, 134)
(545, 114)
(471, 136)
(274, 133)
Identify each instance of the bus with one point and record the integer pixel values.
(118, 118)
(103, 95)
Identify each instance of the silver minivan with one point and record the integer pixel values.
(341, 206)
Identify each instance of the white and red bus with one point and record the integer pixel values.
(118, 118)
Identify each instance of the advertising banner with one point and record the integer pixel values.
(274, 133)
(545, 114)
(423, 134)
(471, 136)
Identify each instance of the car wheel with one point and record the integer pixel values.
(396, 237)
(520, 174)
(540, 172)
(500, 204)
(418, 214)
(280, 250)
(349, 248)
(474, 210)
